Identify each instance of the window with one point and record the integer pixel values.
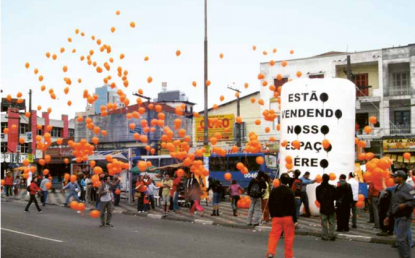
(316, 76)
(24, 148)
(71, 132)
(402, 121)
(217, 164)
(362, 82)
(271, 161)
(56, 132)
(281, 82)
(362, 120)
(24, 128)
(400, 79)
(40, 131)
(165, 162)
(3, 147)
(232, 161)
(155, 162)
(250, 163)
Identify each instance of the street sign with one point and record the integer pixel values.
(30, 157)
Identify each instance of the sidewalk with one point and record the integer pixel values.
(307, 226)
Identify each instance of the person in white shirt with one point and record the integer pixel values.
(410, 180)
(355, 189)
(105, 199)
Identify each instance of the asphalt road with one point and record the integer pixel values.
(61, 232)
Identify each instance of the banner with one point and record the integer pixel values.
(399, 144)
(225, 127)
(314, 110)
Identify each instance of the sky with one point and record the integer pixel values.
(31, 28)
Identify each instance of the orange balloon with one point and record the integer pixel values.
(259, 160)
(407, 155)
(228, 176)
(132, 24)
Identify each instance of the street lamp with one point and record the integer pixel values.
(205, 138)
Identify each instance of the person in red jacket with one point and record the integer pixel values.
(34, 188)
(8, 183)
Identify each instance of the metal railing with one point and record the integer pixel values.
(399, 90)
(400, 129)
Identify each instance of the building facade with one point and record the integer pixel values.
(385, 88)
(12, 151)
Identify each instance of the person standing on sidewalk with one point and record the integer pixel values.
(33, 189)
(73, 192)
(282, 207)
(150, 190)
(256, 189)
(217, 190)
(45, 190)
(175, 193)
(344, 198)
(105, 199)
(354, 184)
(235, 191)
(82, 185)
(16, 184)
(166, 184)
(304, 196)
(8, 183)
(88, 188)
(116, 185)
(401, 208)
(374, 203)
(265, 198)
(326, 195)
(296, 187)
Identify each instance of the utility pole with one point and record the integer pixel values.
(205, 133)
(30, 122)
(238, 113)
(349, 69)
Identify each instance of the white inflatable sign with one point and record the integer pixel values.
(313, 110)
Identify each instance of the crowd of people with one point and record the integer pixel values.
(392, 208)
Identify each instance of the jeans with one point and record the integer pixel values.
(45, 197)
(176, 201)
(151, 199)
(279, 225)
(88, 193)
(71, 194)
(354, 213)
(403, 227)
(8, 190)
(374, 203)
(254, 211)
(327, 225)
(216, 198)
(235, 200)
(304, 199)
(298, 206)
(32, 199)
(108, 207)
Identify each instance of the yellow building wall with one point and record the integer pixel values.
(249, 113)
(370, 69)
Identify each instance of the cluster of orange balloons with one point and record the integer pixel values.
(253, 145)
(377, 170)
(244, 202)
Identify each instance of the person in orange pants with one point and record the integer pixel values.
(282, 208)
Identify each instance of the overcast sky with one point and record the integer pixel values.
(31, 28)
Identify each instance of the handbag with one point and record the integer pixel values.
(137, 195)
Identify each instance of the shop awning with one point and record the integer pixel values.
(173, 166)
(135, 170)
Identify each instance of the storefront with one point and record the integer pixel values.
(395, 147)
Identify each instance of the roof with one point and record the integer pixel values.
(331, 53)
(230, 102)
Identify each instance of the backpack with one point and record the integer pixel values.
(255, 191)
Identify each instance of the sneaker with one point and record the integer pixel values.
(109, 225)
(102, 225)
(40, 211)
(332, 238)
(270, 256)
(27, 211)
(324, 239)
(256, 225)
(78, 212)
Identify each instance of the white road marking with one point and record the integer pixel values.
(22, 233)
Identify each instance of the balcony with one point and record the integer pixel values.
(399, 91)
(400, 129)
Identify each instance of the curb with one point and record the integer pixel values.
(204, 222)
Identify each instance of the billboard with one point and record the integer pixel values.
(313, 110)
(399, 144)
(226, 127)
